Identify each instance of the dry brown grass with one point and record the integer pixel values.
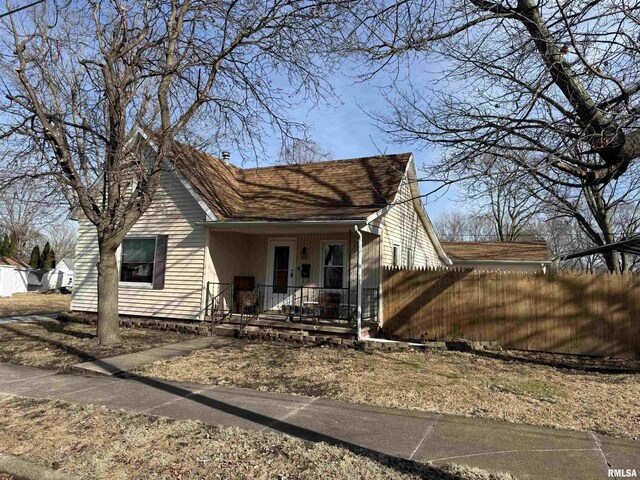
(60, 345)
(92, 442)
(447, 382)
(34, 303)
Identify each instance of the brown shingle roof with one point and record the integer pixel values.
(523, 251)
(213, 179)
(14, 262)
(338, 189)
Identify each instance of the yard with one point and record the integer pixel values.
(87, 441)
(448, 382)
(34, 303)
(59, 345)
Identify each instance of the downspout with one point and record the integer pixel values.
(359, 285)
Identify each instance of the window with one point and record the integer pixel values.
(396, 255)
(410, 257)
(137, 260)
(333, 265)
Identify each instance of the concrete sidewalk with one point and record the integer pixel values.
(45, 317)
(125, 363)
(525, 451)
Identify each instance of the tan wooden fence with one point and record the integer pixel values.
(593, 314)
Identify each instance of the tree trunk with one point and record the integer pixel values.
(108, 320)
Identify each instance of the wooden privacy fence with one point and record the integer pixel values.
(581, 313)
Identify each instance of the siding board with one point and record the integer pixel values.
(402, 226)
(175, 213)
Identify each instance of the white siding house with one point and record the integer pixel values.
(282, 229)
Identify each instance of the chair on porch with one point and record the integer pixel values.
(248, 306)
(330, 305)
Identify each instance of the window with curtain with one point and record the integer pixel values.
(333, 267)
(137, 260)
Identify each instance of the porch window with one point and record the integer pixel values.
(137, 261)
(410, 257)
(333, 265)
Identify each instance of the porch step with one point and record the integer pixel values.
(225, 330)
(277, 323)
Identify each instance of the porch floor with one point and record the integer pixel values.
(322, 327)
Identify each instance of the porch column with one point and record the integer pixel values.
(359, 285)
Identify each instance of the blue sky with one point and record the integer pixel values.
(347, 131)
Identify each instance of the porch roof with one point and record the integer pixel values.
(291, 226)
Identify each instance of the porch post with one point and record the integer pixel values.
(359, 285)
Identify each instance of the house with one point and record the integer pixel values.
(532, 256)
(64, 270)
(58, 278)
(13, 276)
(310, 240)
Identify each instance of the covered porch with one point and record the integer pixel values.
(303, 275)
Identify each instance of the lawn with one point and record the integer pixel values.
(34, 303)
(448, 382)
(60, 345)
(87, 441)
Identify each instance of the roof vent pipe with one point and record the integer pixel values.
(225, 157)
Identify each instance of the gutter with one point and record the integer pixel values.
(237, 223)
(505, 262)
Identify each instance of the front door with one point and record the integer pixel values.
(281, 263)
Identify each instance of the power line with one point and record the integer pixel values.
(19, 9)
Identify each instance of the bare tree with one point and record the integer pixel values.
(606, 212)
(26, 210)
(557, 82)
(500, 191)
(298, 151)
(62, 238)
(464, 225)
(79, 76)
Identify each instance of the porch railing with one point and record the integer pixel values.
(219, 302)
(295, 303)
(313, 302)
(370, 302)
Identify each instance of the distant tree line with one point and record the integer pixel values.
(10, 247)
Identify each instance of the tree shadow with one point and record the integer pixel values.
(398, 464)
(401, 465)
(81, 354)
(53, 327)
(588, 365)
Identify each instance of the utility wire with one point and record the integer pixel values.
(19, 9)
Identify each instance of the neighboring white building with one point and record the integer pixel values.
(59, 277)
(64, 273)
(13, 276)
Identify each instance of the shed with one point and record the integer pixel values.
(13, 276)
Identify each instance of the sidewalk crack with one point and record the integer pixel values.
(426, 434)
(599, 449)
(288, 415)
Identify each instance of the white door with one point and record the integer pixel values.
(281, 267)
